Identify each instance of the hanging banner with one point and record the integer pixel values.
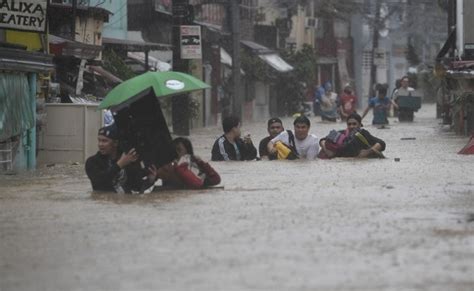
(190, 42)
(27, 15)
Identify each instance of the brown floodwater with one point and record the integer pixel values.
(344, 224)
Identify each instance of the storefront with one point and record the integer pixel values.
(18, 89)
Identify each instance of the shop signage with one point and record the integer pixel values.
(190, 42)
(28, 15)
(380, 57)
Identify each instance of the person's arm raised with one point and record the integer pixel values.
(127, 158)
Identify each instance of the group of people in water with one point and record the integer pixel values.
(299, 143)
(110, 169)
(113, 170)
(331, 106)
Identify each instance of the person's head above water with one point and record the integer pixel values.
(301, 126)
(275, 126)
(354, 121)
(107, 138)
(328, 86)
(231, 126)
(183, 146)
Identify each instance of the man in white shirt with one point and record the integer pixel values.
(305, 145)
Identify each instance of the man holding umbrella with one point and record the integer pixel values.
(143, 129)
(111, 170)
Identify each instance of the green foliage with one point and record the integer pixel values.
(193, 106)
(304, 62)
(290, 86)
(115, 64)
(429, 84)
(254, 67)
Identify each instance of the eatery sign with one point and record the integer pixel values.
(27, 15)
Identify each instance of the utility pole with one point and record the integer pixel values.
(451, 22)
(375, 45)
(180, 103)
(73, 24)
(235, 18)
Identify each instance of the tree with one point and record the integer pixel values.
(290, 86)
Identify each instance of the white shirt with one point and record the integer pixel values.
(403, 92)
(307, 148)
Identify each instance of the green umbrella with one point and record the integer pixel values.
(162, 84)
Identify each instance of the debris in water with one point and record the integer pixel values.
(408, 138)
(397, 159)
(470, 217)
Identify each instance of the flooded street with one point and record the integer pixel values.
(342, 224)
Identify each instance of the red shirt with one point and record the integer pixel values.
(348, 103)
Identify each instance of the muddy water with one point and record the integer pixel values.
(322, 225)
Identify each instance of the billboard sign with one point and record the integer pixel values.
(190, 40)
(27, 15)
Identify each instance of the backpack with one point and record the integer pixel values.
(287, 152)
(335, 142)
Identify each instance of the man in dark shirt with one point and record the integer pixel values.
(230, 147)
(352, 142)
(275, 126)
(112, 170)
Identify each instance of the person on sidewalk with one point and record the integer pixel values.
(230, 146)
(274, 128)
(110, 169)
(298, 144)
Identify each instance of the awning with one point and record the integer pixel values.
(153, 62)
(65, 47)
(212, 27)
(276, 62)
(268, 56)
(257, 48)
(226, 59)
(134, 46)
(25, 61)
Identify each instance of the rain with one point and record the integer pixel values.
(184, 69)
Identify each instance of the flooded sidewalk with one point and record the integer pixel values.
(402, 223)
